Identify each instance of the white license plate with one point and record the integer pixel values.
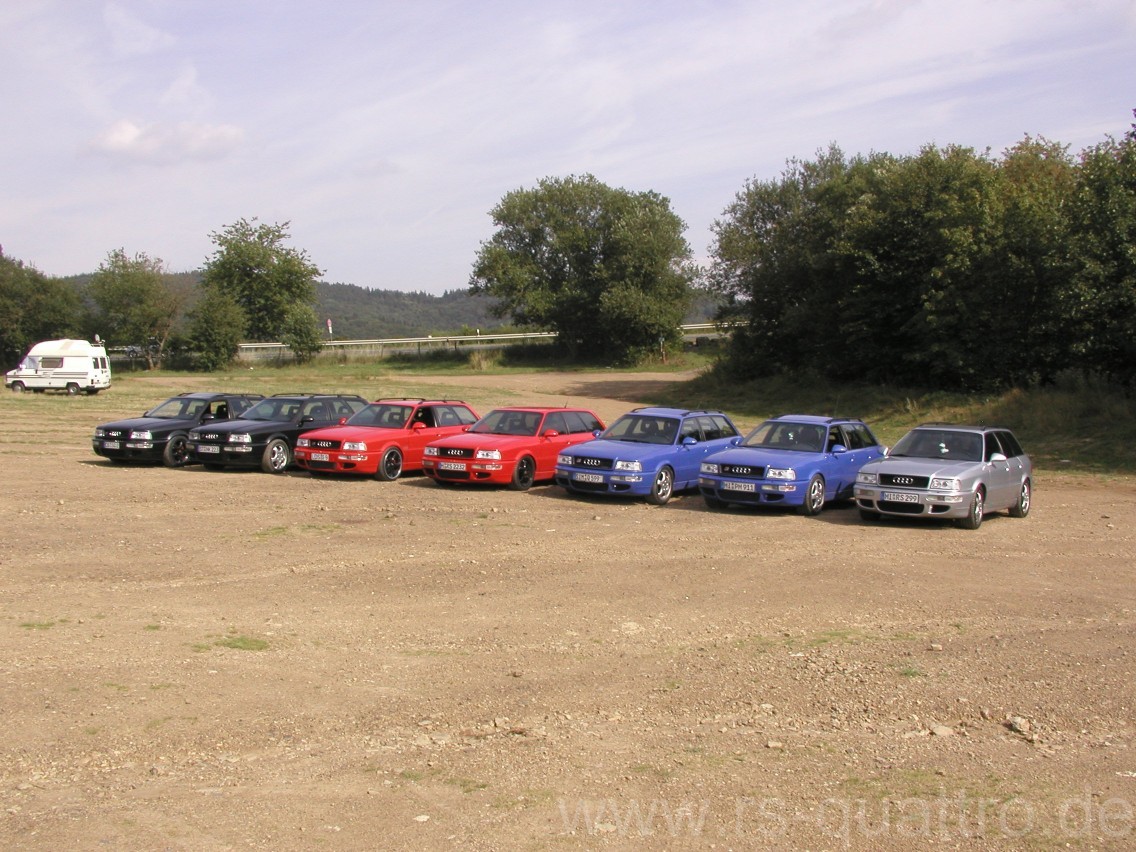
(321, 457)
(587, 477)
(112, 445)
(738, 486)
(892, 497)
(451, 465)
(208, 448)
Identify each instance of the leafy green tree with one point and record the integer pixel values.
(301, 334)
(134, 303)
(216, 328)
(607, 269)
(1104, 254)
(33, 307)
(267, 278)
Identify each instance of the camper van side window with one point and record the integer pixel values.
(50, 363)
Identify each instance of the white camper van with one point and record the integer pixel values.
(67, 365)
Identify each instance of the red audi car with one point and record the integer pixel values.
(510, 446)
(384, 439)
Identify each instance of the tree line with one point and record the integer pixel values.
(949, 268)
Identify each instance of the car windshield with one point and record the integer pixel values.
(506, 421)
(643, 429)
(178, 409)
(782, 435)
(273, 409)
(382, 415)
(948, 444)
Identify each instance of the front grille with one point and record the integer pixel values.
(748, 470)
(452, 474)
(325, 445)
(902, 480)
(592, 463)
(455, 453)
(116, 434)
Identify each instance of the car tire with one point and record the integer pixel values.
(814, 496)
(662, 488)
(973, 519)
(175, 454)
(869, 515)
(17, 387)
(277, 456)
(1025, 497)
(524, 474)
(72, 389)
(390, 465)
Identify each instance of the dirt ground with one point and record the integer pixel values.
(203, 661)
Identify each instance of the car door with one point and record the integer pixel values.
(1001, 481)
(417, 437)
(846, 465)
(548, 448)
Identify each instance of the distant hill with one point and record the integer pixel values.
(357, 313)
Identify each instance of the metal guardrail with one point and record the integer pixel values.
(380, 346)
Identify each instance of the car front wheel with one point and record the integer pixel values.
(1025, 496)
(973, 519)
(175, 454)
(524, 474)
(17, 387)
(72, 389)
(662, 488)
(277, 456)
(814, 496)
(390, 465)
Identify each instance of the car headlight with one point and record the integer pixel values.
(143, 435)
(865, 478)
(240, 438)
(945, 484)
(430, 451)
(708, 467)
(786, 473)
(628, 465)
(566, 460)
(488, 454)
(100, 433)
(356, 446)
(303, 442)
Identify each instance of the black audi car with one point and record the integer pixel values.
(159, 435)
(265, 436)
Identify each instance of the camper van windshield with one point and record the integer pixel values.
(31, 362)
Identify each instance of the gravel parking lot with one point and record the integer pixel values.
(217, 660)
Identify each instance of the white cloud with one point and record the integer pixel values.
(167, 143)
(132, 37)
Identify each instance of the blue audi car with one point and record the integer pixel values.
(648, 452)
(798, 460)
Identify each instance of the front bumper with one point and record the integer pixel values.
(128, 450)
(629, 484)
(235, 455)
(753, 492)
(337, 461)
(469, 470)
(910, 503)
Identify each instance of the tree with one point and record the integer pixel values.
(33, 307)
(134, 303)
(301, 334)
(216, 328)
(607, 269)
(266, 278)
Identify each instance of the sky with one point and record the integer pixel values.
(384, 133)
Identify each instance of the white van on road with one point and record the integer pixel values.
(67, 365)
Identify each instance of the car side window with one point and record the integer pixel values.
(575, 423)
(1010, 444)
(724, 427)
(557, 421)
(991, 446)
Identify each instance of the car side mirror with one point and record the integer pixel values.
(689, 441)
(997, 457)
(342, 421)
(417, 426)
(597, 433)
(550, 433)
(207, 416)
(839, 448)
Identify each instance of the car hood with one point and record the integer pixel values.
(351, 433)
(604, 448)
(904, 466)
(763, 458)
(483, 440)
(152, 424)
